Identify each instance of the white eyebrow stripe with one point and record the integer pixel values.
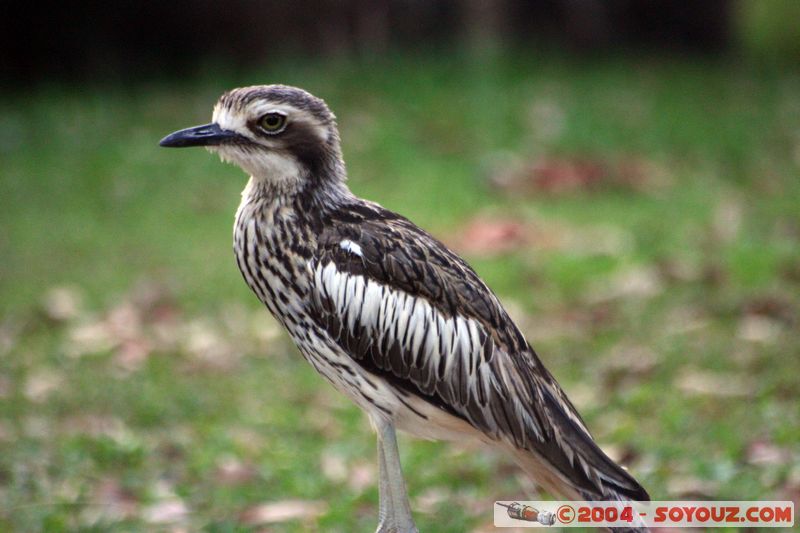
(236, 119)
(352, 247)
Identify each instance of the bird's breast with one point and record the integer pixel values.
(271, 252)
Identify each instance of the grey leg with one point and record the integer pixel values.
(385, 513)
(395, 511)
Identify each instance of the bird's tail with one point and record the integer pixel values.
(557, 484)
(638, 525)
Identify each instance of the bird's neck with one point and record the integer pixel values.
(314, 198)
(312, 182)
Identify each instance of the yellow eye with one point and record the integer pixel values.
(273, 122)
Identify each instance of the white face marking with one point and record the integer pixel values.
(269, 161)
(352, 247)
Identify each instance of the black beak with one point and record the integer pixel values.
(205, 135)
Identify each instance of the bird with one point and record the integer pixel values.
(387, 313)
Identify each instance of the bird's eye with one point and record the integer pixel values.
(273, 122)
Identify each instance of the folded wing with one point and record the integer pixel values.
(407, 308)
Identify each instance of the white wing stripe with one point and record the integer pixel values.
(426, 336)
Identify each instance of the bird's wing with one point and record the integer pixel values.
(406, 307)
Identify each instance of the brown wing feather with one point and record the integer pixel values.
(494, 379)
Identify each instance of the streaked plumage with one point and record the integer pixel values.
(384, 311)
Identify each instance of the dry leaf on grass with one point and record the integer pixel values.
(232, 471)
(63, 303)
(168, 509)
(586, 396)
(764, 452)
(627, 366)
(37, 427)
(361, 476)
(632, 359)
(42, 384)
(7, 433)
(727, 220)
(633, 282)
(432, 499)
(207, 347)
(490, 235)
(116, 502)
(89, 337)
(9, 333)
(166, 512)
(333, 466)
(487, 236)
(759, 329)
(690, 487)
(283, 511)
(5, 387)
(680, 270)
(777, 307)
(568, 175)
(696, 382)
(684, 319)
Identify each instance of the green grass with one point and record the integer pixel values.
(91, 441)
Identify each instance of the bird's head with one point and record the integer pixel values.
(278, 134)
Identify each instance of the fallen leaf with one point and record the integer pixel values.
(124, 321)
(9, 333)
(245, 438)
(771, 306)
(546, 119)
(63, 303)
(697, 382)
(490, 528)
(165, 512)
(486, 236)
(361, 476)
(689, 487)
(333, 466)
(759, 329)
(431, 500)
(727, 220)
(283, 511)
(168, 508)
(89, 338)
(132, 354)
(679, 270)
(6, 432)
(115, 502)
(94, 425)
(790, 271)
(264, 328)
(684, 319)
(584, 396)
(631, 359)
(39, 386)
(207, 347)
(232, 471)
(763, 452)
(556, 175)
(5, 387)
(627, 365)
(633, 282)
(154, 300)
(599, 239)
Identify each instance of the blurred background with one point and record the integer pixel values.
(624, 174)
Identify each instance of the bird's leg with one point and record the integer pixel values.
(385, 513)
(395, 511)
